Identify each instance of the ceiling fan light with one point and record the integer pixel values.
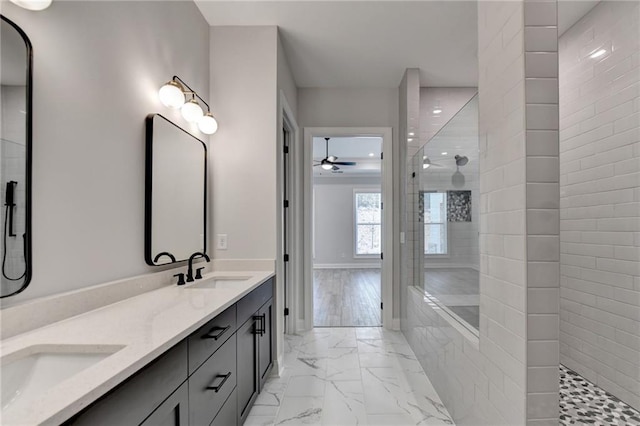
(327, 166)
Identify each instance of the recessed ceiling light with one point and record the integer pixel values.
(598, 53)
(371, 154)
(444, 153)
(411, 134)
(437, 110)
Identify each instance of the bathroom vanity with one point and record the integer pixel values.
(180, 355)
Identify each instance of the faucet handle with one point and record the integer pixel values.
(198, 273)
(180, 278)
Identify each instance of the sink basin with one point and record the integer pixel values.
(219, 282)
(30, 372)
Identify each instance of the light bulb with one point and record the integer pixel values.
(327, 166)
(32, 4)
(207, 124)
(191, 111)
(171, 95)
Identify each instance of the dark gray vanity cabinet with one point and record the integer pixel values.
(265, 342)
(211, 378)
(173, 412)
(255, 345)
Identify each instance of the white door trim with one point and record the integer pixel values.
(387, 214)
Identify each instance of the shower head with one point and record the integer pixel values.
(461, 160)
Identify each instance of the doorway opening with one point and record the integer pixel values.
(347, 231)
(347, 227)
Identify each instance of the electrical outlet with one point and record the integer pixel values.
(221, 241)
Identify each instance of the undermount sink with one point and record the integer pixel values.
(218, 282)
(32, 371)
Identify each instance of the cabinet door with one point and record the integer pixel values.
(247, 384)
(173, 412)
(265, 341)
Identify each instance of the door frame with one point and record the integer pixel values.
(386, 276)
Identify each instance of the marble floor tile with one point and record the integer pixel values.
(305, 386)
(349, 376)
(344, 404)
(259, 420)
(300, 411)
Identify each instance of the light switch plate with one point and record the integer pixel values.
(221, 241)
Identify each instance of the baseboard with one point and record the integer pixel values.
(300, 325)
(450, 265)
(278, 367)
(347, 266)
(396, 324)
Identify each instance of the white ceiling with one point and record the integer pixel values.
(365, 43)
(350, 149)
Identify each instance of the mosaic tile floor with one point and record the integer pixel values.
(582, 403)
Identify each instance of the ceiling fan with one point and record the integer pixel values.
(330, 161)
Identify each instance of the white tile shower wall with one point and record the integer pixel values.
(600, 199)
(543, 216)
(447, 99)
(506, 378)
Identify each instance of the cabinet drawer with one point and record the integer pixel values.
(131, 402)
(212, 383)
(228, 413)
(249, 304)
(208, 338)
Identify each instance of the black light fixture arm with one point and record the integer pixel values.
(191, 91)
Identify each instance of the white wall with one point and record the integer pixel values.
(600, 212)
(334, 228)
(243, 151)
(97, 70)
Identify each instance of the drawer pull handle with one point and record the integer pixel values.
(260, 331)
(220, 330)
(224, 379)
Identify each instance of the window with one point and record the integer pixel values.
(435, 222)
(368, 212)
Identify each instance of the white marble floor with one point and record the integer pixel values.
(349, 376)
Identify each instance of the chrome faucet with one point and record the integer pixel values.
(190, 270)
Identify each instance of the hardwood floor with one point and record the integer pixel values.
(346, 297)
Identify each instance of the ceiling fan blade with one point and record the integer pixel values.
(335, 168)
(344, 163)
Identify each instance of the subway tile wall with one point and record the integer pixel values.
(600, 198)
(510, 375)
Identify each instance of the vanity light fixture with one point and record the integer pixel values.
(173, 94)
(32, 4)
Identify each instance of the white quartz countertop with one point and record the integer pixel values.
(145, 326)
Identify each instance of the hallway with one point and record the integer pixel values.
(349, 376)
(346, 298)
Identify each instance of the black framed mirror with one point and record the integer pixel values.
(16, 87)
(176, 193)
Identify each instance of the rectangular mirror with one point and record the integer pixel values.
(176, 193)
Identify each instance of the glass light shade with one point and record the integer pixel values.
(191, 111)
(207, 124)
(32, 4)
(327, 166)
(171, 95)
